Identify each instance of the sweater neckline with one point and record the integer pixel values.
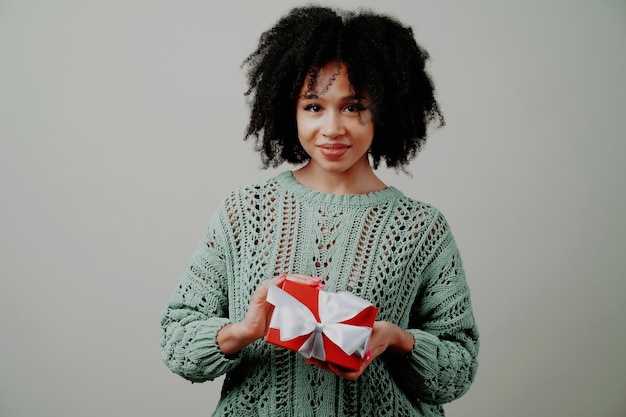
(373, 198)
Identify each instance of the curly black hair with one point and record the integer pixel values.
(382, 59)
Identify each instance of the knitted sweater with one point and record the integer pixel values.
(393, 251)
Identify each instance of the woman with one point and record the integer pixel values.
(334, 93)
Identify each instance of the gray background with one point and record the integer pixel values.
(121, 126)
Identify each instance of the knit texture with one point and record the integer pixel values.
(391, 250)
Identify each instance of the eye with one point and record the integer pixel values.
(313, 108)
(354, 108)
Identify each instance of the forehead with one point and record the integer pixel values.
(331, 78)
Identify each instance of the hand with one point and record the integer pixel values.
(235, 336)
(256, 321)
(385, 335)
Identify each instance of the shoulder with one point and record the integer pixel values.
(249, 195)
(261, 187)
(416, 210)
(424, 222)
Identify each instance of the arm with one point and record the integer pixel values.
(442, 364)
(198, 339)
(235, 336)
(196, 311)
(435, 359)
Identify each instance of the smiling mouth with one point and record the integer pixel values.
(334, 150)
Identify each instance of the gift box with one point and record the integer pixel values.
(332, 327)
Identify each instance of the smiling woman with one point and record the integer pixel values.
(337, 93)
(382, 60)
(121, 126)
(336, 130)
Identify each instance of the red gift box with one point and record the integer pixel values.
(332, 327)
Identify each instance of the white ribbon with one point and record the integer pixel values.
(294, 319)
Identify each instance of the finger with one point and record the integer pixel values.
(317, 282)
(304, 278)
(344, 373)
(320, 364)
(278, 279)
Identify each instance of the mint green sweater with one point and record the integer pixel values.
(395, 252)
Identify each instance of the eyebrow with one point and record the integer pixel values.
(315, 96)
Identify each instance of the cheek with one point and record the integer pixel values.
(305, 127)
(365, 132)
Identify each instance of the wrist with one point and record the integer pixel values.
(402, 342)
(233, 337)
(242, 334)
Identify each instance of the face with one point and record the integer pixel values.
(334, 124)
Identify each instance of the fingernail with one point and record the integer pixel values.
(368, 355)
(321, 286)
(282, 276)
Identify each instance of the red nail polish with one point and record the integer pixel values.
(368, 355)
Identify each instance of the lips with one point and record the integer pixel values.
(334, 150)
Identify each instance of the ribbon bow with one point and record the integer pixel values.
(294, 319)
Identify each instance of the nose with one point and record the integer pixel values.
(333, 125)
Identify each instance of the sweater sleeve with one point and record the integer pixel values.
(443, 363)
(197, 310)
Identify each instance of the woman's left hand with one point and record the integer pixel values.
(385, 335)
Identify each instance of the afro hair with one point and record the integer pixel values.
(383, 61)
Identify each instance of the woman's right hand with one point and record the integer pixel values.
(235, 336)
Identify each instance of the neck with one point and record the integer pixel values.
(339, 182)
